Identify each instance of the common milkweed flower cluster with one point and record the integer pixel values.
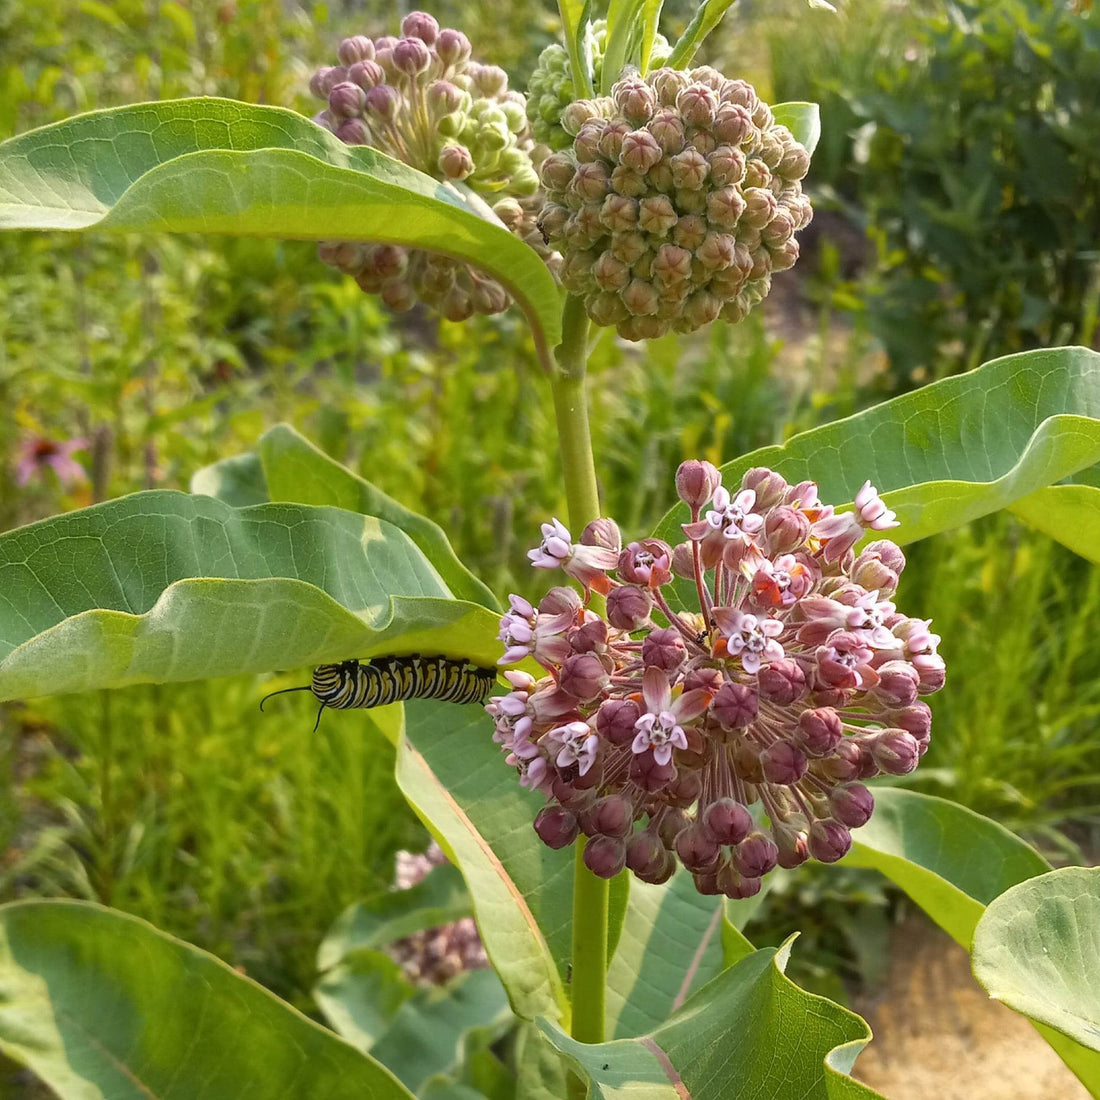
(734, 736)
(422, 98)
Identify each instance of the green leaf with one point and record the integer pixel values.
(707, 16)
(803, 120)
(453, 775)
(439, 898)
(295, 470)
(651, 20)
(622, 28)
(163, 586)
(237, 481)
(98, 1003)
(671, 944)
(749, 1032)
(1036, 950)
(218, 166)
(951, 861)
(361, 995)
(959, 449)
(575, 18)
(429, 1033)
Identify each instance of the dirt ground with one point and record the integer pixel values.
(938, 1036)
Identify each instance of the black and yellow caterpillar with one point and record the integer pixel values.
(383, 680)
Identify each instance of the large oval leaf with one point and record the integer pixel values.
(961, 448)
(295, 470)
(953, 863)
(164, 586)
(750, 1032)
(98, 1003)
(452, 774)
(1037, 949)
(219, 166)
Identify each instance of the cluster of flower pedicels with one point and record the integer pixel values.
(422, 99)
(678, 199)
(435, 955)
(732, 737)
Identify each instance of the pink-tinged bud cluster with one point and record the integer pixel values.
(734, 738)
(435, 955)
(676, 202)
(422, 99)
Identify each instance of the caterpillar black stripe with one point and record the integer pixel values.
(383, 680)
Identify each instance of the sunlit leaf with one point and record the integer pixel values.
(164, 586)
(218, 166)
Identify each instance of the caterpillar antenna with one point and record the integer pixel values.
(281, 691)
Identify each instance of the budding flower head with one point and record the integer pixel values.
(422, 99)
(734, 737)
(699, 189)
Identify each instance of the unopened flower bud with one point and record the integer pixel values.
(786, 529)
(635, 100)
(735, 706)
(696, 482)
(915, 719)
(895, 751)
(615, 720)
(353, 132)
(382, 101)
(605, 856)
(898, 683)
(583, 677)
(793, 850)
(664, 649)
(356, 48)
(819, 731)
(727, 821)
(346, 100)
(646, 855)
(851, 805)
(556, 826)
(603, 533)
(628, 607)
(455, 162)
(611, 816)
(656, 215)
(689, 169)
(829, 841)
(411, 57)
(697, 849)
(783, 763)
(453, 47)
(781, 682)
(641, 298)
(755, 856)
(640, 151)
(419, 24)
(646, 563)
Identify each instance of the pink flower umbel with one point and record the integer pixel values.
(37, 454)
(655, 731)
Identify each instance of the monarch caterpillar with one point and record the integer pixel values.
(383, 680)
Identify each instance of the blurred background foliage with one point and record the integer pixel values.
(959, 211)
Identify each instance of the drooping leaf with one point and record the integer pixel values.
(295, 470)
(452, 774)
(1037, 950)
(428, 1034)
(439, 898)
(748, 1032)
(210, 165)
(961, 448)
(803, 120)
(98, 1003)
(951, 861)
(651, 21)
(163, 586)
(671, 944)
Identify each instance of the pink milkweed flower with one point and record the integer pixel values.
(659, 728)
(587, 564)
(38, 453)
(579, 745)
(872, 511)
(749, 637)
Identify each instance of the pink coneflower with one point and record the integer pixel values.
(37, 453)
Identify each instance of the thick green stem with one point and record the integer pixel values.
(590, 894)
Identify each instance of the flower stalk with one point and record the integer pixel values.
(590, 893)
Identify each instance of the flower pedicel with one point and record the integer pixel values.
(732, 737)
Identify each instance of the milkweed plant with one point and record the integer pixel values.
(615, 773)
